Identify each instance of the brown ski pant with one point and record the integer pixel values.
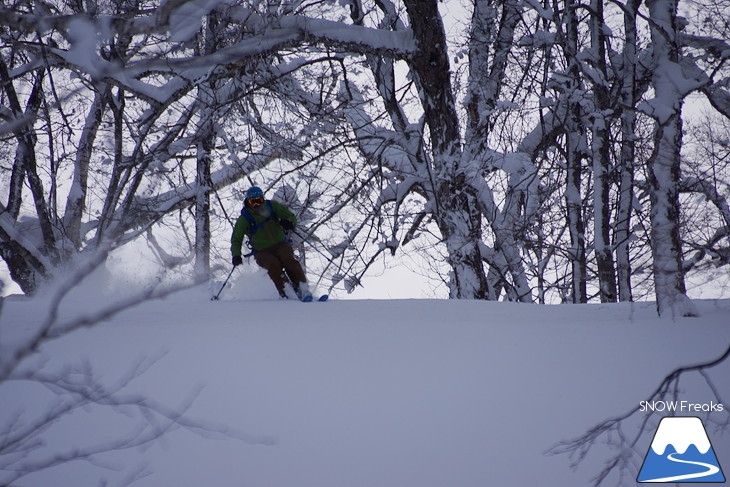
(282, 266)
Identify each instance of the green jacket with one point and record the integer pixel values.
(268, 235)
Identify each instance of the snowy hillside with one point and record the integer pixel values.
(354, 393)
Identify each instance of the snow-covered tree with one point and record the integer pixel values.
(670, 89)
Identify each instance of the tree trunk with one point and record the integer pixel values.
(664, 163)
(628, 153)
(26, 268)
(575, 138)
(456, 211)
(202, 203)
(601, 162)
(205, 148)
(76, 202)
(490, 45)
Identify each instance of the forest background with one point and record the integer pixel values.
(516, 150)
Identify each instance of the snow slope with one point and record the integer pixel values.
(360, 393)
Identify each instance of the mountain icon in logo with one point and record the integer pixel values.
(680, 452)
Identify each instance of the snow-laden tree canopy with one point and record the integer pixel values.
(532, 151)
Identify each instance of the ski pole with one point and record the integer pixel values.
(215, 298)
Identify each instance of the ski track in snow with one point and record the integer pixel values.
(711, 469)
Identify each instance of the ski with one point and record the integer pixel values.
(309, 298)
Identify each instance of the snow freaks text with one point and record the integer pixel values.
(680, 407)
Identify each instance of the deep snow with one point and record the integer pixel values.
(361, 393)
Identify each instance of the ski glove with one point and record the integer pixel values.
(286, 224)
(237, 260)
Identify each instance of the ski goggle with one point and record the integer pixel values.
(256, 201)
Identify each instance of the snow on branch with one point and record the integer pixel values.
(709, 190)
(363, 40)
(182, 19)
(9, 230)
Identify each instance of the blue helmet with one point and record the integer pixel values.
(254, 192)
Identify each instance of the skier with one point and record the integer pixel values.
(265, 222)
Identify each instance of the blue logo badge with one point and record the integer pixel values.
(680, 452)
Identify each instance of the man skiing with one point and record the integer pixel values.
(265, 223)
